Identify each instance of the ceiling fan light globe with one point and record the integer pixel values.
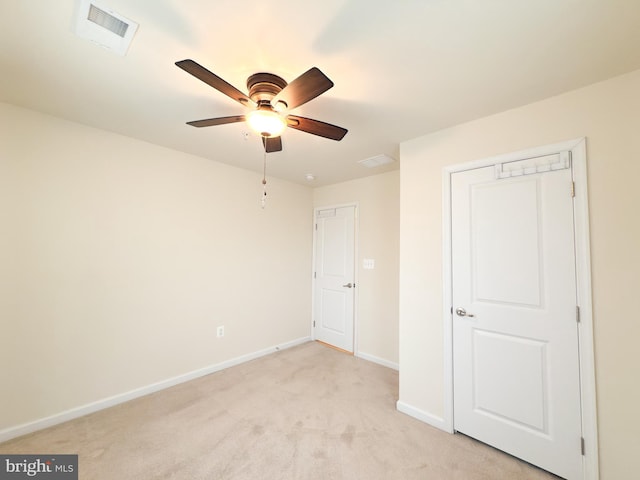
(266, 123)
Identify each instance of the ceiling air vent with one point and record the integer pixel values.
(99, 24)
(111, 23)
(376, 161)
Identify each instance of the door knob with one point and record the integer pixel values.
(461, 312)
(349, 285)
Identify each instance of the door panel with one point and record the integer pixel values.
(334, 233)
(333, 309)
(516, 370)
(334, 270)
(502, 362)
(509, 211)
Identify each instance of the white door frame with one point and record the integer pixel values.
(355, 271)
(583, 277)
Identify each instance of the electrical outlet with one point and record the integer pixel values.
(220, 331)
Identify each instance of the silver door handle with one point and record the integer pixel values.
(461, 312)
(349, 285)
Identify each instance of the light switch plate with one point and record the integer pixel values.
(368, 263)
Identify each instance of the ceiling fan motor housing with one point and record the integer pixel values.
(264, 86)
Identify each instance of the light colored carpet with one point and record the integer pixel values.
(308, 412)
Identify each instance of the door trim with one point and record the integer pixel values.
(355, 270)
(583, 285)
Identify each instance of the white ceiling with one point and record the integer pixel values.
(401, 68)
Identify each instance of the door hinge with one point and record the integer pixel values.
(573, 189)
(314, 274)
(316, 227)
(577, 314)
(314, 323)
(582, 447)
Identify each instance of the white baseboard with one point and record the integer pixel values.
(423, 416)
(378, 360)
(25, 428)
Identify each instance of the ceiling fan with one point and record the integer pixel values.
(270, 99)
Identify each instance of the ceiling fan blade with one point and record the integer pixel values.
(272, 144)
(304, 88)
(210, 122)
(215, 81)
(316, 127)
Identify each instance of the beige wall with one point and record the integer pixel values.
(378, 236)
(120, 259)
(608, 115)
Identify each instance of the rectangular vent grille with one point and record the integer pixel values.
(111, 23)
(102, 26)
(376, 161)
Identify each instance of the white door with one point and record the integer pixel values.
(334, 283)
(516, 364)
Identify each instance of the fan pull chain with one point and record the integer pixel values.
(263, 201)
